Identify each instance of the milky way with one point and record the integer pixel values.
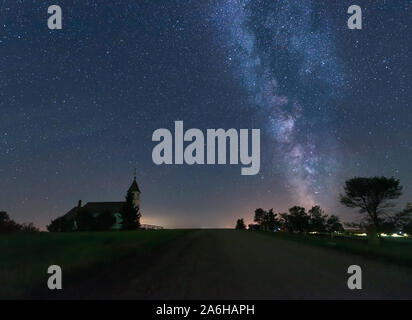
(285, 55)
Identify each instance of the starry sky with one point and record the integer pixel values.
(79, 105)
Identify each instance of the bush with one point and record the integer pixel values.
(9, 225)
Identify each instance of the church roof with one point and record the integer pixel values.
(72, 213)
(134, 187)
(104, 206)
(96, 207)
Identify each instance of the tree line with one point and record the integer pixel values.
(296, 220)
(9, 225)
(372, 197)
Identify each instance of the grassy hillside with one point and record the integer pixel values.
(395, 250)
(24, 258)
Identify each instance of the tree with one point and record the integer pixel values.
(29, 227)
(9, 225)
(6, 224)
(61, 224)
(269, 221)
(4, 218)
(266, 219)
(297, 219)
(406, 224)
(130, 214)
(399, 222)
(333, 224)
(317, 219)
(240, 224)
(104, 221)
(259, 214)
(403, 218)
(253, 227)
(54, 225)
(372, 196)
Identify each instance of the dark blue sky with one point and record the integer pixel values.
(79, 105)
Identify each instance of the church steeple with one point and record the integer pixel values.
(134, 189)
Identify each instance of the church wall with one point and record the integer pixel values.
(118, 224)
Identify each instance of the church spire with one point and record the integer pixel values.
(134, 187)
(135, 191)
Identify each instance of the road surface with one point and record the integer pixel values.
(230, 264)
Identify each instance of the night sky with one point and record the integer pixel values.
(79, 105)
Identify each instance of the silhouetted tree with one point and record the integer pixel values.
(61, 224)
(297, 220)
(259, 214)
(407, 228)
(270, 222)
(399, 222)
(104, 221)
(266, 219)
(283, 221)
(387, 226)
(253, 227)
(403, 218)
(333, 224)
(28, 227)
(371, 196)
(407, 223)
(130, 214)
(240, 224)
(4, 218)
(7, 224)
(317, 219)
(53, 226)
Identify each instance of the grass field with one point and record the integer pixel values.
(24, 258)
(395, 250)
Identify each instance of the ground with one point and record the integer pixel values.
(230, 264)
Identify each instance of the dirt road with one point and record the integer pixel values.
(229, 264)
